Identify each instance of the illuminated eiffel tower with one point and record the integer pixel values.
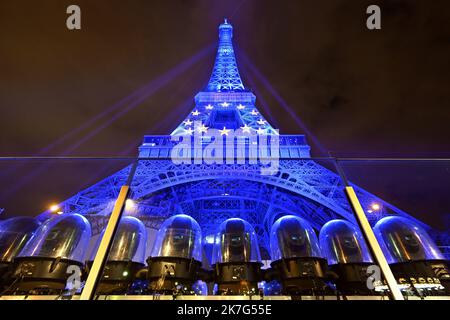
(211, 193)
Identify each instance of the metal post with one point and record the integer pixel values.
(373, 243)
(105, 245)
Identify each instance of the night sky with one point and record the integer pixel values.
(359, 92)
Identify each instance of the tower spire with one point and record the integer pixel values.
(225, 75)
(225, 103)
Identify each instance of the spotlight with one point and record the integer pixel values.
(348, 256)
(125, 266)
(236, 259)
(414, 258)
(375, 207)
(297, 261)
(209, 239)
(130, 205)
(175, 262)
(41, 267)
(14, 234)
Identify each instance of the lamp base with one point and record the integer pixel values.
(118, 277)
(171, 275)
(237, 278)
(42, 275)
(301, 276)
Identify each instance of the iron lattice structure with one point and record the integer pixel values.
(212, 193)
(225, 75)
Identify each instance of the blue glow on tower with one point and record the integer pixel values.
(225, 102)
(213, 193)
(225, 75)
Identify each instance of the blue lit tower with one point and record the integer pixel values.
(212, 193)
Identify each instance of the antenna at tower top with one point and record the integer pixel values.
(225, 75)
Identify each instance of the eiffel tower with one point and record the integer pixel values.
(212, 193)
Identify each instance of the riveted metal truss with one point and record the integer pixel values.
(214, 193)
